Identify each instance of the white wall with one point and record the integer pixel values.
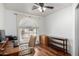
(61, 24)
(10, 22)
(1, 16)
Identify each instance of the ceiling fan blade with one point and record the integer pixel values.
(34, 7)
(36, 3)
(41, 4)
(50, 7)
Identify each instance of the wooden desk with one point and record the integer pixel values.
(12, 52)
(9, 50)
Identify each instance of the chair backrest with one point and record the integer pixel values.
(3, 46)
(32, 41)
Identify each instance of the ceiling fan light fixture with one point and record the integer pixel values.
(44, 8)
(41, 9)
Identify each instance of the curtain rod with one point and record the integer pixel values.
(22, 14)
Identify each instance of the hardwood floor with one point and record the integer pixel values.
(46, 51)
(40, 51)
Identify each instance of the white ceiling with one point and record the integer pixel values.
(27, 8)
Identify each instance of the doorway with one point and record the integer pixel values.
(77, 30)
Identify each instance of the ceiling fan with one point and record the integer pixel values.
(41, 7)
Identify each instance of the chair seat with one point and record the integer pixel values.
(27, 48)
(27, 52)
(23, 46)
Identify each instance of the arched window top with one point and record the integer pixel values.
(28, 23)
